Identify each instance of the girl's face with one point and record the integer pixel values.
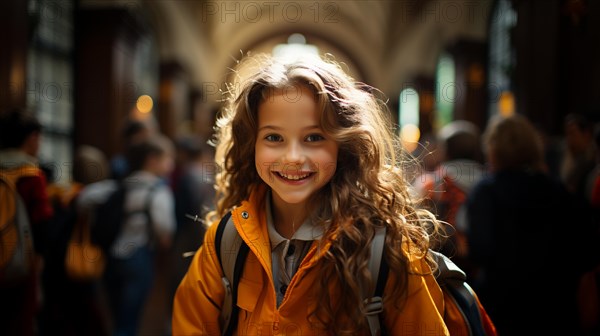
(292, 153)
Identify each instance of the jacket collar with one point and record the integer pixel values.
(250, 219)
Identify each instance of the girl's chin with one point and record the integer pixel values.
(290, 198)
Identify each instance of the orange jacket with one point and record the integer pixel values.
(200, 295)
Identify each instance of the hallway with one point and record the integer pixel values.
(87, 69)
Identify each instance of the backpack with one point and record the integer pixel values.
(109, 216)
(463, 315)
(16, 239)
(447, 196)
(448, 200)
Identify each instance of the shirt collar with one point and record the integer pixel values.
(306, 232)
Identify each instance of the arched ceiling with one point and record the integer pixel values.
(384, 43)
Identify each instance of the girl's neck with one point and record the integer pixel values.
(287, 218)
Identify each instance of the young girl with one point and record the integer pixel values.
(309, 172)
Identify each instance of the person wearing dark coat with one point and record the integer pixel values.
(527, 236)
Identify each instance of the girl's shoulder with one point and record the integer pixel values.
(213, 226)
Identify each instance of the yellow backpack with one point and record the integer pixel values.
(16, 239)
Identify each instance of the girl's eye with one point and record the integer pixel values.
(273, 138)
(314, 137)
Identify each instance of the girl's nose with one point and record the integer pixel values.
(294, 153)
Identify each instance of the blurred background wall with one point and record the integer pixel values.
(85, 66)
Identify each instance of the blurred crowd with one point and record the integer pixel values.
(169, 190)
(521, 214)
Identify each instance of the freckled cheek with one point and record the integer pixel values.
(326, 158)
(327, 166)
(265, 162)
(328, 169)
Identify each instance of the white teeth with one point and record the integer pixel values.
(294, 177)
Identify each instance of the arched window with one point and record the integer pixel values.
(295, 48)
(501, 59)
(408, 118)
(49, 79)
(445, 90)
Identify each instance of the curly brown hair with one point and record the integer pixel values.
(368, 189)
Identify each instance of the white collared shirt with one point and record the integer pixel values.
(287, 254)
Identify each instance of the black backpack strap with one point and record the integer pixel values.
(451, 278)
(384, 269)
(232, 252)
(229, 244)
(379, 270)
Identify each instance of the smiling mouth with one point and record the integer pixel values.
(294, 177)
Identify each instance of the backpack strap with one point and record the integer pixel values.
(448, 275)
(379, 270)
(121, 185)
(453, 279)
(148, 206)
(232, 252)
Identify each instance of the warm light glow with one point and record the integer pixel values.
(144, 104)
(426, 101)
(410, 135)
(506, 104)
(295, 48)
(476, 75)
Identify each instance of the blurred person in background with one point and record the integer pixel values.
(589, 287)
(194, 196)
(147, 229)
(72, 306)
(446, 188)
(20, 134)
(579, 158)
(527, 235)
(133, 132)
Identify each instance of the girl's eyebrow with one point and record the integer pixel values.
(277, 128)
(269, 127)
